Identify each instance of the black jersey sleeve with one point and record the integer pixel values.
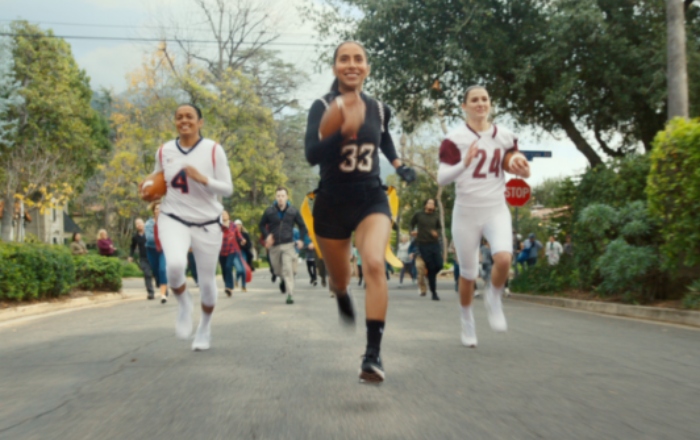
(316, 149)
(387, 144)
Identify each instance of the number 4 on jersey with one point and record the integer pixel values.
(494, 167)
(180, 182)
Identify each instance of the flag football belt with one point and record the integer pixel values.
(191, 224)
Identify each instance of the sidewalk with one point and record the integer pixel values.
(675, 316)
(90, 300)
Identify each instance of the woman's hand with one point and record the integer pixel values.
(471, 154)
(194, 174)
(519, 166)
(353, 108)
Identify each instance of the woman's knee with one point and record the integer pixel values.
(374, 266)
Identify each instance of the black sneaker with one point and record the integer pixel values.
(274, 277)
(346, 309)
(371, 371)
(283, 287)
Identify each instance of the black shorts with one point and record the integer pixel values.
(337, 214)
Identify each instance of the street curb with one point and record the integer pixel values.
(675, 316)
(17, 312)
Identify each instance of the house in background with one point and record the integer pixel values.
(54, 226)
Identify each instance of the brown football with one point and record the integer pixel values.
(153, 187)
(506, 161)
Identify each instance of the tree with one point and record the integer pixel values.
(9, 98)
(58, 142)
(561, 65)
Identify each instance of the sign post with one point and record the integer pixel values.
(517, 194)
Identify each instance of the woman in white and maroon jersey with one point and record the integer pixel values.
(475, 156)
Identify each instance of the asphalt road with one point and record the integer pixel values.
(277, 371)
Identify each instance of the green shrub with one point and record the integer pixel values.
(129, 270)
(691, 300)
(543, 278)
(674, 191)
(95, 272)
(35, 271)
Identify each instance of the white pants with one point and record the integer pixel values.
(468, 226)
(176, 239)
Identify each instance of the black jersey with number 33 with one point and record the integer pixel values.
(356, 160)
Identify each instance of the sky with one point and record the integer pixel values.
(107, 63)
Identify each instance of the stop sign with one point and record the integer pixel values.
(517, 192)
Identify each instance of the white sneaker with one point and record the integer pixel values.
(494, 311)
(183, 325)
(202, 339)
(468, 332)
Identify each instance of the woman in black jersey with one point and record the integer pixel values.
(350, 196)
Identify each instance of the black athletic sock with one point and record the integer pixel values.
(344, 303)
(375, 330)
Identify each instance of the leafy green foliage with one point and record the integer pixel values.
(98, 273)
(563, 65)
(543, 278)
(691, 300)
(130, 270)
(37, 271)
(674, 191)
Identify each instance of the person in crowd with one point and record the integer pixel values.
(569, 246)
(553, 251)
(277, 224)
(246, 244)
(230, 256)
(77, 245)
(154, 251)
(405, 258)
(426, 228)
(138, 244)
(532, 246)
(104, 244)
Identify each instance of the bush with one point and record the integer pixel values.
(95, 272)
(674, 191)
(691, 300)
(543, 278)
(35, 271)
(129, 270)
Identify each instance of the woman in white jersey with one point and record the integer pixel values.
(474, 156)
(196, 172)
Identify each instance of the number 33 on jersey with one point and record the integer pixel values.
(483, 182)
(357, 158)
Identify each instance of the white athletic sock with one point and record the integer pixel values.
(494, 308)
(183, 324)
(202, 339)
(468, 334)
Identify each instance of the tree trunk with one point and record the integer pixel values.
(8, 213)
(579, 141)
(676, 74)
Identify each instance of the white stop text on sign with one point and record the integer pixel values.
(518, 193)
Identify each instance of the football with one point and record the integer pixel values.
(506, 161)
(153, 187)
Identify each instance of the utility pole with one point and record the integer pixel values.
(677, 73)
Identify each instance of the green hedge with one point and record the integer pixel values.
(95, 272)
(39, 271)
(35, 271)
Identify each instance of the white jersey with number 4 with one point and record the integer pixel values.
(185, 198)
(482, 183)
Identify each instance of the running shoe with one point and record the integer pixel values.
(228, 292)
(371, 371)
(283, 287)
(289, 299)
(163, 300)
